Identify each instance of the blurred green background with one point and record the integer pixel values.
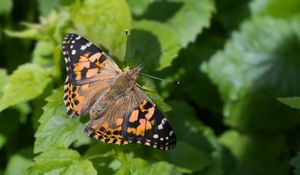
(231, 89)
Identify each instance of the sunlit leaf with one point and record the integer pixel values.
(59, 160)
(4, 79)
(271, 8)
(140, 167)
(139, 7)
(293, 102)
(106, 24)
(17, 165)
(152, 44)
(192, 17)
(56, 128)
(26, 83)
(5, 6)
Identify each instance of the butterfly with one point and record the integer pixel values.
(120, 112)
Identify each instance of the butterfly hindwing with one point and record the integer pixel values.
(108, 127)
(147, 125)
(133, 119)
(89, 72)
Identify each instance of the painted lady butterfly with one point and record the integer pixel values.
(119, 111)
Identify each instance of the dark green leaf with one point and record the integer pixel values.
(2, 140)
(295, 162)
(258, 155)
(194, 146)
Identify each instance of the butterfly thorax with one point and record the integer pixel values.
(120, 87)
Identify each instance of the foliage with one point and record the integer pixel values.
(231, 88)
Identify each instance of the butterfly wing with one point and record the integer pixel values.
(133, 118)
(89, 73)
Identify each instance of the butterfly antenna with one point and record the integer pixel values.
(163, 80)
(150, 76)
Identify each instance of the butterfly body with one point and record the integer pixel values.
(119, 88)
(120, 112)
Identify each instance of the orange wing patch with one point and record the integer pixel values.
(134, 116)
(140, 119)
(91, 72)
(105, 133)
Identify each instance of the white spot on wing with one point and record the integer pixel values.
(155, 136)
(171, 133)
(78, 37)
(160, 127)
(147, 143)
(82, 47)
(163, 121)
(73, 52)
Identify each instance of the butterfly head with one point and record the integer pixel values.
(133, 73)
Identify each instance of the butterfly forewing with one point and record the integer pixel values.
(88, 72)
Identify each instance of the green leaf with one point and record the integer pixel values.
(56, 127)
(5, 6)
(191, 19)
(43, 53)
(258, 155)
(275, 8)
(2, 140)
(254, 69)
(139, 167)
(4, 79)
(293, 102)
(152, 44)
(295, 162)
(17, 165)
(106, 24)
(190, 135)
(139, 7)
(60, 160)
(227, 13)
(45, 7)
(26, 83)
